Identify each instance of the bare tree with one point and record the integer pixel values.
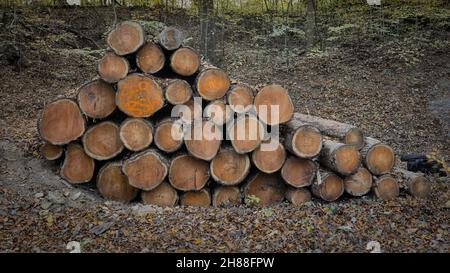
(207, 29)
(310, 23)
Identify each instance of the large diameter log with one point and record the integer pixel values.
(139, 96)
(61, 122)
(339, 157)
(188, 112)
(274, 105)
(164, 196)
(226, 196)
(299, 196)
(127, 37)
(378, 157)
(150, 58)
(359, 183)
(416, 183)
(299, 172)
(212, 84)
(304, 141)
(178, 92)
(269, 157)
(203, 140)
(349, 134)
(188, 173)
(201, 198)
(51, 152)
(113, 184)
(77, 167)
(112, 68)
(386, 187)
(146, 170)
(97, 99)
(265, 189)
(218, 112)
(170, 38)
(169, 135)
(229, 168)
(102, 141)
(240, 98)
(246, 133)
(328, 186)
(136, 134)
(185, 61)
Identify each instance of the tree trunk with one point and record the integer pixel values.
(61, 122)
(339, 157)
(267, 189)
(170, 38)
(169, 135)
(102, 141)
(136, 134)
(112, 68)
(201, 198)
(269, 157)
(229, 168)
(78, 167)
(328, 186)
(146, 170)
(310, 23)
(304, 141)
(178, 92)
(299, 196)
(240, 98)
(299, 172)
(246, 133)
(126, 38)
(150, 58)
(113, 185)
(97, 99)
(212, 83)
(51, 152)
(185, 61)
(163, 195)
(188, 173)
(378, 157)
(359, 183)
(386, 187)
(416, 183)
(274, 105)
(207, 30)
(203, 140)
(224, 196)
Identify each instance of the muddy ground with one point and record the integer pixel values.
(394, 85)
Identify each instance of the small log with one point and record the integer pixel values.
(267, 188)
(77, 167)
(146, 170)
(150, 58)
(212, 83)
(299, 172)
(339, 157)
(164, 196)
(136, 134)
(169, 135)
(328, 186)
(218, 112)
(126, 38)
(97, 99)
(378, 157)
(246, 133)
(61, 122)
(139, 96)
(102, 141)
(188, 173)
(229, 168)
(51, 152)
(185, 61)
(112, 68)
(416, 183)
(203, 140)
(355, 137)
(170, 38)
(359, 183)
(304, 141)
(274, 105)
(224, 196)
(178, 92)
(201, 198)
(269, 157)
(240, 98)
(113, 184)
(386, 187)
(298, 196)
(188, 112)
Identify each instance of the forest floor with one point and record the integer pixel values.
(391, 81)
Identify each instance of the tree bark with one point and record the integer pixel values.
(310, 23)
(416, 183)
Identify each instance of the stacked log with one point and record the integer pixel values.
(164, 126)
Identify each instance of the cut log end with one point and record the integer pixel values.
(380, 159)
(269, 157)
(299, 196)
(218, 112)
(178, 92)
(246, 134)
(185, 61)
(354, 137)
(102, 141)
(339, 157)
(51, 152)
(386, 187)
(78, 167)
(203, 140)
(146, 170)
(188, 173)
(150, 58)
(229, 168)
(188, 112)
(127, 37)
(200, 198)
(113, 184)
(264, 190)
(328, 186)
(136, 134)
(170, 38)
(97, 99)
(274, 105)
(226, 196)
(359, 183)
(169, 136)
(61, 122)
(299, 172)
(240, 99)
(419, 186)
(163, 195)
(306, 142)
(113, 68)
(212, 84)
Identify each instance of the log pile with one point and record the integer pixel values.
(162, 126)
